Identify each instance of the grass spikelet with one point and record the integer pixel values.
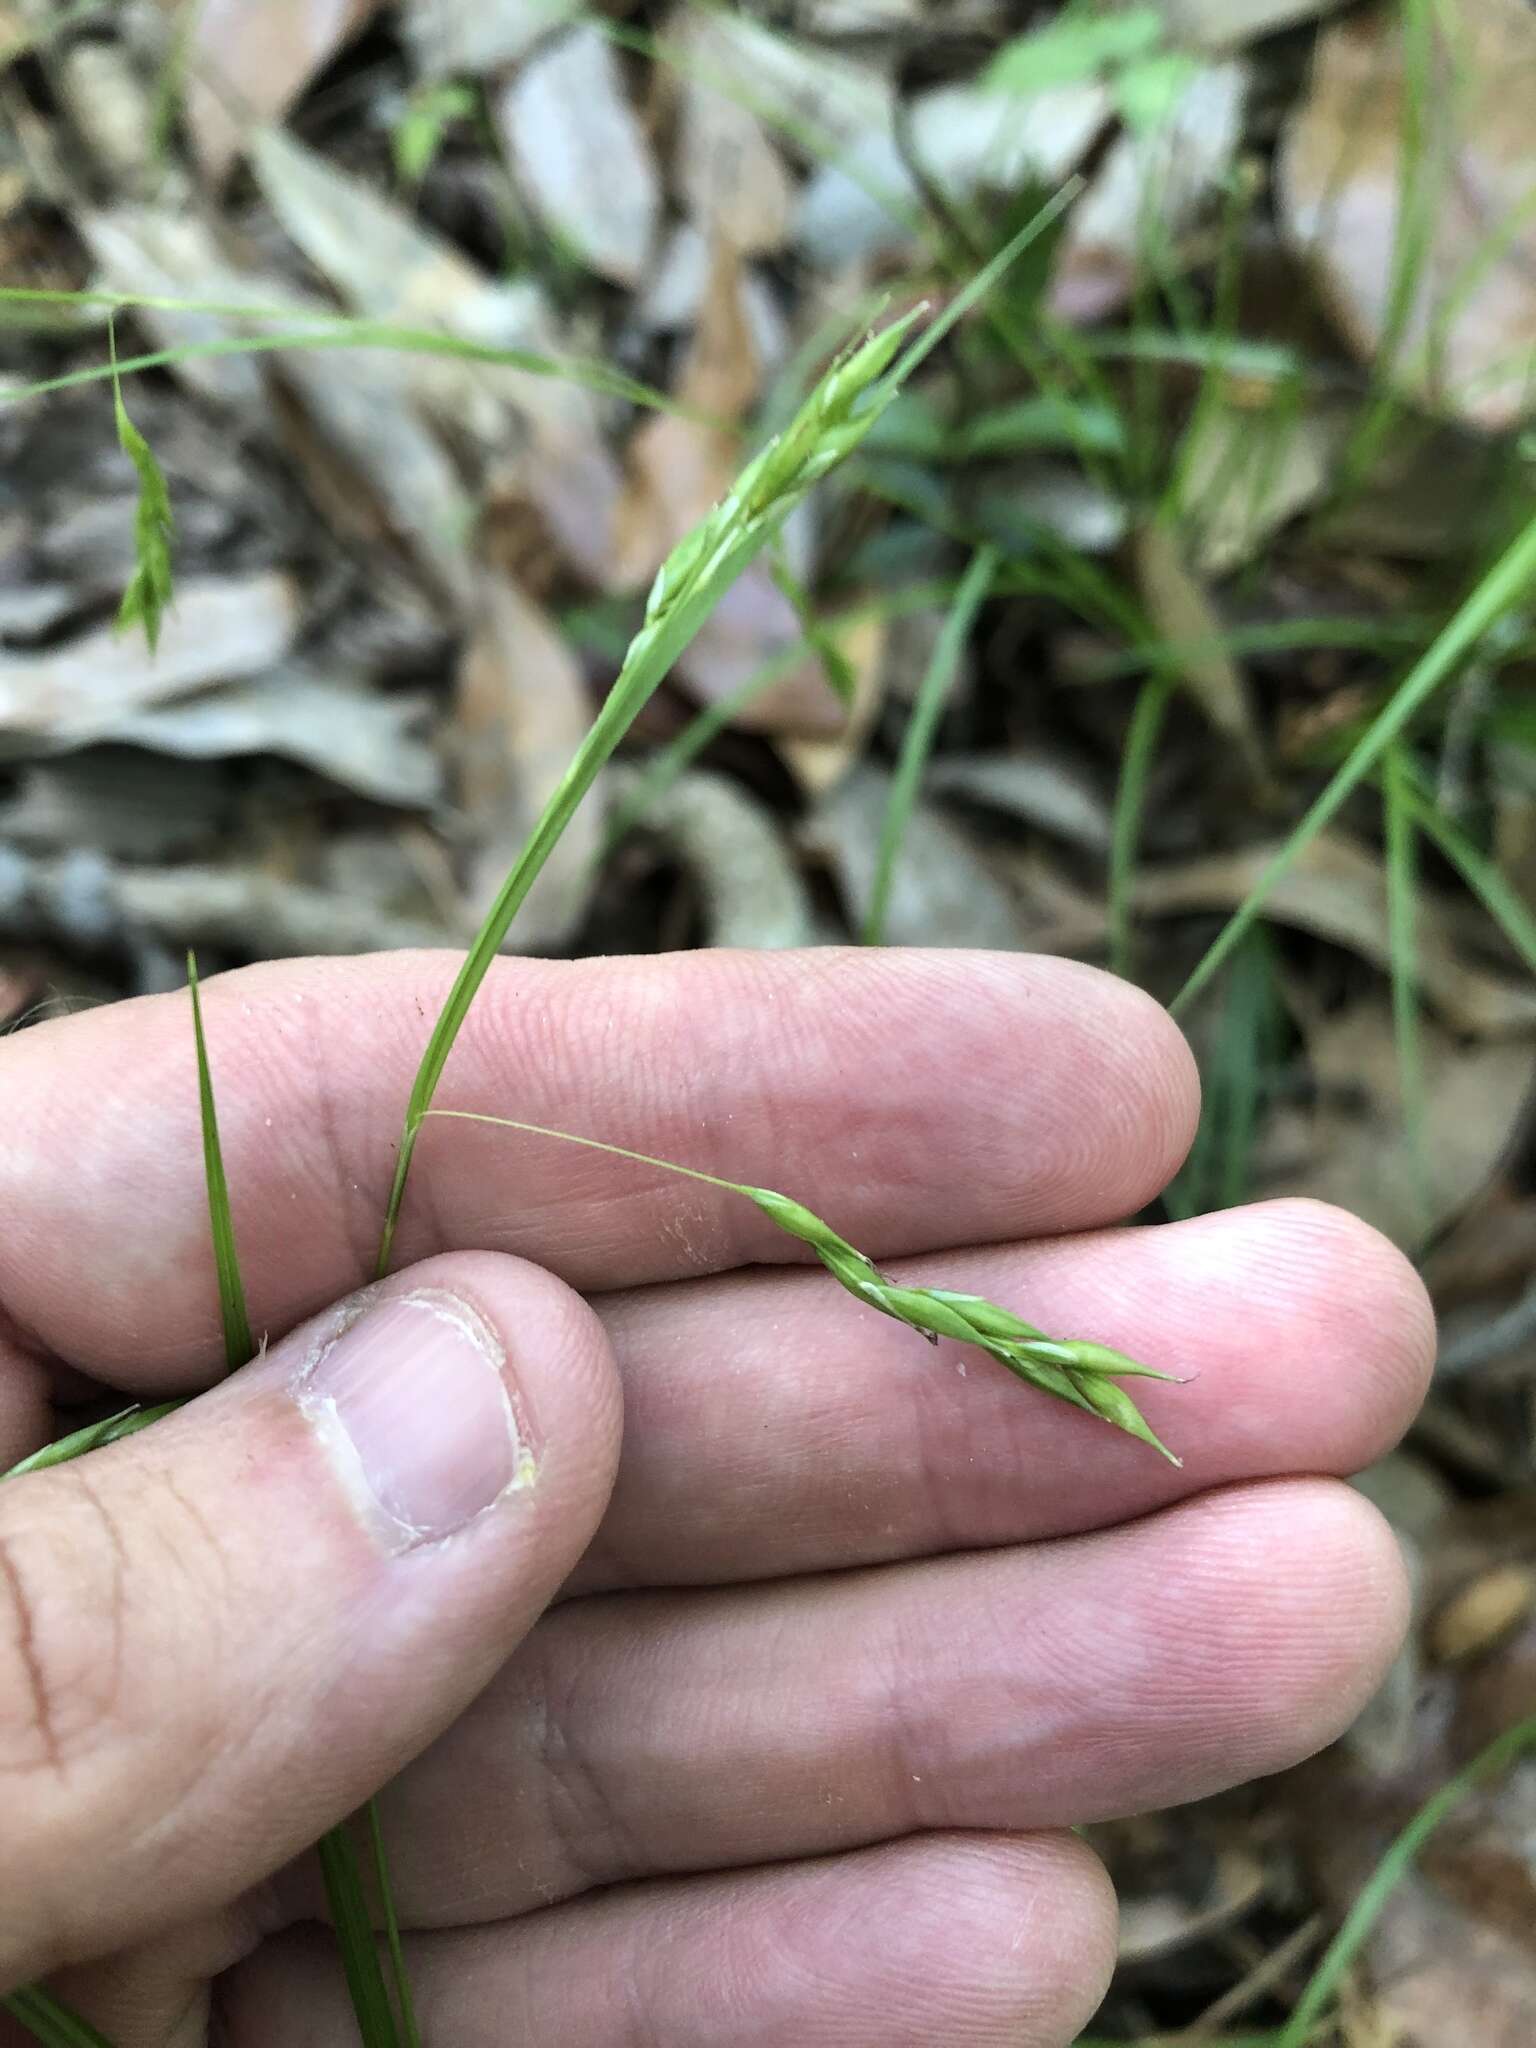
(1081, 1373)
(151, 586)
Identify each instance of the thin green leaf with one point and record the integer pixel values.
(331, 333)
(239, 1345)
(339, 1862)
(1495, 593)
(1152, 701)
(49, 2022)
(917, 741)
(1402, 948)
(341, 1868)
(1508, 910)
(151, 586)
(95, 1436)
(1073, 1370)
(1390, 1872)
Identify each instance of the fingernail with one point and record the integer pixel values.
(414, 1403)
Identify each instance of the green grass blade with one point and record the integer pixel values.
(239, 1345)
(341, 1868)
(1141, 738)
(400, 1976)
(917, 741)
(1482, 877)
(330, 333)
(94, 1436)
(49, 2022)
(339, 1860)
(1390, 1872)
(1402, 947)
(1500, 588)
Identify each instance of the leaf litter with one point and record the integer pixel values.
(1245, 428)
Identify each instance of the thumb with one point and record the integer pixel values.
(219, 1637)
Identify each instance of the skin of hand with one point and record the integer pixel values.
(736, 1663)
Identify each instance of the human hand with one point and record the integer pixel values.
(858, 1630)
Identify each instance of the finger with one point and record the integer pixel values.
(918, 1098)
(641, 1734)
(977, 1941)
(773, 1425)
(219, 1637)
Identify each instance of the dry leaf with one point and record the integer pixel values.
(217, 630)
(581, 156)
(522, 710)
(1232, 24)
(820, 764)
(1182, 612)
(1468, 343)
(1336, 890)
(734, 851)
(1252, 470)
(387, 266)
(249, 60)
(1036, 788)
(449, 37)
(359, 737)
(679, 468)
(1358, 1151)
(943, 893)
(731, 179)
(1154, 183)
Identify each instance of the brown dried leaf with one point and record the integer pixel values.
(1336, 890)
(679, 468)
(581, 156)
(1357, 1151)
(1153, 181)
(249, 60)
(522, 711)
(1468, 344)
(453, 36)
(732, 180)
(387, 266)
(1182, 612)
(217, 630)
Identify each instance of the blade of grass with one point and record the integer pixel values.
(1076, 1371)
(1390, 1872)
(1494, 594)
(339, 1861)
(917, 741)
(339, 332)
(1152, 701)
(1402, 948)
(1482, 877)
(94, 1436)
(239, 1345)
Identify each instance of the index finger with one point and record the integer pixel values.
(916, 1099)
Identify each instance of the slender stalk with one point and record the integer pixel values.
(1141, 738)
(917, 741)
(1402, 948)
